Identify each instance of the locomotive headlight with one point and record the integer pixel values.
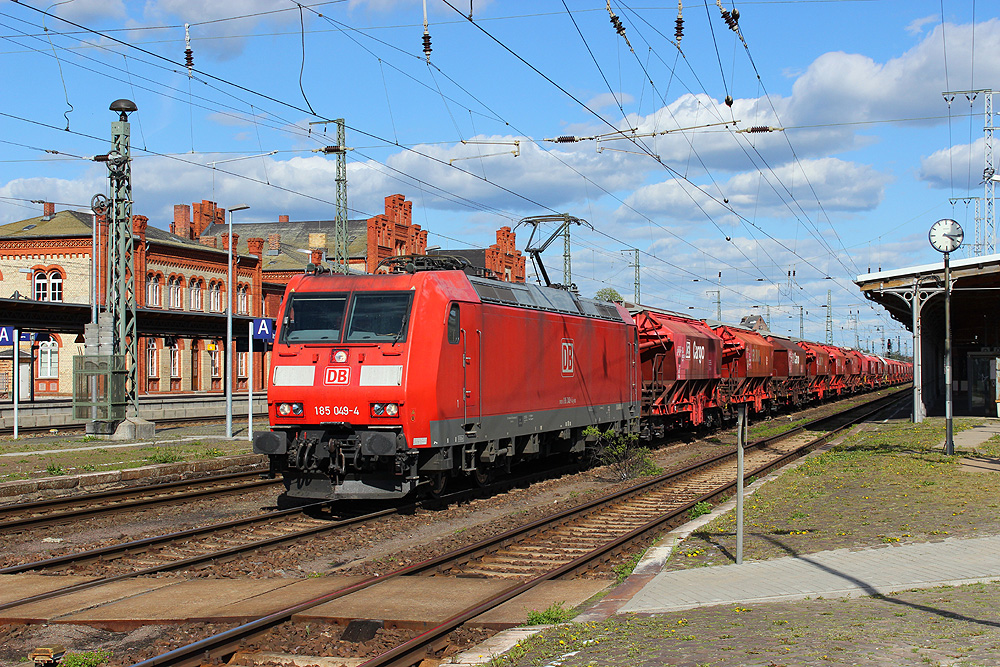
(286, 409)
(385, 409)
(340, 356)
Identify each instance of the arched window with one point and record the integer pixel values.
(41, 286)
(243, 300)
(153, 291)
(48, 360)
(215, 296)
(152, 359)
(197, 287)
(55, 287)
(175, 292)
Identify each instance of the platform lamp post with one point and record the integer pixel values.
(229, 323)
(946, 236)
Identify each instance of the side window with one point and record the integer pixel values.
(454, 324)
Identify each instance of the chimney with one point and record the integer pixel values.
(274, 243)
(282, 218)
(210, 241)
(182, 221)
(48, 210)
(317, 240)
(236, 242)
(255, 246)
(316, 256)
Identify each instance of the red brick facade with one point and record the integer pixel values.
(503, 259)
(394, 233)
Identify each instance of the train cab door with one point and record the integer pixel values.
(471, 335)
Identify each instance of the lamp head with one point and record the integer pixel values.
(123, 107)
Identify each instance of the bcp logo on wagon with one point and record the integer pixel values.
(338, 375)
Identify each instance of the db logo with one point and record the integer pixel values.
(338, 376)
(567, 356)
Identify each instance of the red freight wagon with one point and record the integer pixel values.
(854, 369)
(747, 366)
(382, 383)
(680, 360)
(838, 370)
(817, 368)
(790, 385)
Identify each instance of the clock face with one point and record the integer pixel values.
(946, 235)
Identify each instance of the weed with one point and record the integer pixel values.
(53, 469)
(86, 659)
(89, 467)
(165, 456)
(623, 570)
(554, 614)
(621, 452)
(213, 453)
(89, 438)
(699, 509)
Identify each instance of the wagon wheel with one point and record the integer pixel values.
(438, 484)
(483, 476)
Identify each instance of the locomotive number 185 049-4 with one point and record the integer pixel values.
(327, 410)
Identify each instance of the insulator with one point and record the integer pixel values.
(427, 46)
(617, 23)
(188, 58)
(759, 128)
(679, 30)
(566, 139)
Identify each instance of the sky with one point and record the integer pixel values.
(860, 153)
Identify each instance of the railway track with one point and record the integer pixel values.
(73, 428)
(561, 546)
(21, 517)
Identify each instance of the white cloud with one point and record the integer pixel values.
(916, 26)
(961, 166)
(609, 100)
(838, 185)
(81, 11)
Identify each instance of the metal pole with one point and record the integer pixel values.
(229, 325)
(229, 330)
(949, 442)
(741, 437)
(17, 376)
(918, 398)
(250, 382)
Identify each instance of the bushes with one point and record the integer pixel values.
(622, 453)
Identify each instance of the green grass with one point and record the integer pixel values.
(86, 659)
(554, 614)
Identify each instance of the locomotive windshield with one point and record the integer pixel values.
(379, 316)
(314, 318)
(372, 316)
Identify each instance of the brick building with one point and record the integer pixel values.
(48, 258)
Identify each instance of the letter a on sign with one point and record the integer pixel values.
(6, 336)
(263, 328)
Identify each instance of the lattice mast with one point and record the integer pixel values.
(121, 272)
(985, 237)
(829, 317)
(341, 260)
(567, 259)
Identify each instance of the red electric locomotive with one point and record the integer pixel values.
(383, 383)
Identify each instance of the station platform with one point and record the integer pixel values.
(404, 602)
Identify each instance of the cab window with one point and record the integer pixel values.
(454, 324)
(379, 316)
(313, 318)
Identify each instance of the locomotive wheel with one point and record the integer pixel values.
(482, 476)
(439, 482)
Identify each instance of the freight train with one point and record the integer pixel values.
(382, 385)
